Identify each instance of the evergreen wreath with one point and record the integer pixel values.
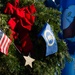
(13, 64)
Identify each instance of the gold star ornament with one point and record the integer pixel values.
(29, 60)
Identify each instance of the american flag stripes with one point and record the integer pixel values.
(4, 43)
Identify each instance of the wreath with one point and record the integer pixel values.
(37, 17)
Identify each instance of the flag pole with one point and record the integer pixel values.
(12, 43)
(16, 47)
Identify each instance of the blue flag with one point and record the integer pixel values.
(51, 44)
(68, 18)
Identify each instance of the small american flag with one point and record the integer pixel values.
(4, 43)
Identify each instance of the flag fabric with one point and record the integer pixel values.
(51, 44)
(4, 43)
(68, 18)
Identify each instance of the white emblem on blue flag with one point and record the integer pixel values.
(49, 37)
(51, 44)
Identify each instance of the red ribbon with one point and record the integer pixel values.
(21, 23)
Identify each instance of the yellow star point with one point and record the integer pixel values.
(29, 60)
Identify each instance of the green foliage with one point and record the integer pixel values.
(13, 64)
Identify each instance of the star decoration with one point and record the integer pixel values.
(29, 60)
